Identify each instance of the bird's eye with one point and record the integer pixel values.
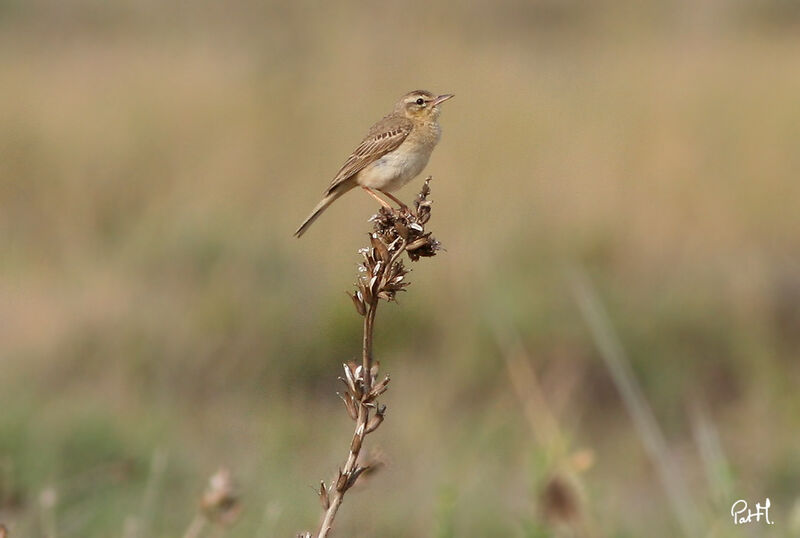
(420, 101)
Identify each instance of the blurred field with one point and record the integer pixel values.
(155, 159)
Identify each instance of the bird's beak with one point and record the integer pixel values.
(442, 98)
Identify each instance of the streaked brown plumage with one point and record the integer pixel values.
(394, 151)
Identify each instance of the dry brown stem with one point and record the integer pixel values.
(381, 276)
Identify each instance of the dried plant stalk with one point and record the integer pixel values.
(381, 276)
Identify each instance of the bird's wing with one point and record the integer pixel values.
(383, 137)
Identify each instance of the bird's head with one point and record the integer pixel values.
(420, 104)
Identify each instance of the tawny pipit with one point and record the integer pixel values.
(395, 151)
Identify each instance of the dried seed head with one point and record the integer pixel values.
(349, 404)
(350, 380)
(358, 302)
(373, 371)
(220, 502)
(378, 389)
(381, 273)
(374, 285)
(323, 496)
(358, 371)
(363, 289)
(351, 480)
(419, 243)
(401, 229)
(560, 501)
(374, 421)
(341, 481)
(355, 445)
(380, 247)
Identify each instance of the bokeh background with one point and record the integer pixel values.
(623, 167)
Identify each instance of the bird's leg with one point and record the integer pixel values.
(378, 198)
(403, 207)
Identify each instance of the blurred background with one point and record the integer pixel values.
(608, 346)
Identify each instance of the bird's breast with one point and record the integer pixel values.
(398, 167)
(394, 169)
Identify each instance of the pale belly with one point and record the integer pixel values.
(394, 169)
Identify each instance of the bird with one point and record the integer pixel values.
(395, 150)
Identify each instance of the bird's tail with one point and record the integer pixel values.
(330, 197)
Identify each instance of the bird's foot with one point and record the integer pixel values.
(380, 200)
(403, 207)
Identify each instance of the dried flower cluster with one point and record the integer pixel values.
(410, 226)
(219, 505)
(559, 500)
(357, 393)
(381, 275)
(220, 502)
